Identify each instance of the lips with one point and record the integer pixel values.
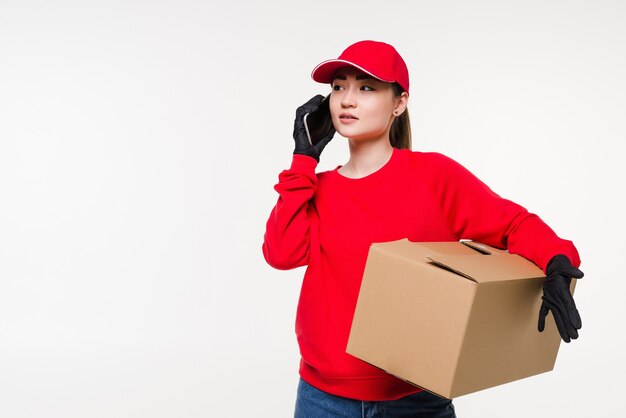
(347, 116)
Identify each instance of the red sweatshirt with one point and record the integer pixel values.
(327, 222)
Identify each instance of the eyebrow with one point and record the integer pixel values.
(358, 77)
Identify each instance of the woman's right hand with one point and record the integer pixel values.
(303, 145)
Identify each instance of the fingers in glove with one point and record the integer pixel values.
(573, 272)
(573, 317)
(563, 298)
(569, 307)
(561, 325)
(324, 141)
(309, 106)
(543, 312)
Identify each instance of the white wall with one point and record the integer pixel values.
(140, 142)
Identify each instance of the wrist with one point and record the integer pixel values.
(304, 161)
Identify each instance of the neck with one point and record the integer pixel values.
(367, 157)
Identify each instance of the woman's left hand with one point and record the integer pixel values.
(558, 299)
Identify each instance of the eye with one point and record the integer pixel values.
(367, 88)
(336, 87)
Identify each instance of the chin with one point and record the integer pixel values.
(343, 132)
(360, 136)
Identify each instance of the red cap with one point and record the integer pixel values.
(378, 59)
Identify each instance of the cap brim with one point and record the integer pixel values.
(325, 71)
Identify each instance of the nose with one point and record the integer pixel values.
(347, 99)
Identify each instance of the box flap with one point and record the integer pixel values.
(484, 248)
(449, 268)
(416, 251)
(485, 268)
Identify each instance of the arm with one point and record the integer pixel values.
(286, 243)
(286, 240)
(475, 212)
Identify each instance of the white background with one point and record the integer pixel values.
(140, 142)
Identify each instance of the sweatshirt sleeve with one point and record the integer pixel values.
(286, 243)
(474, 211)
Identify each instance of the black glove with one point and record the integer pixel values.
(303, 145)
(558, 299)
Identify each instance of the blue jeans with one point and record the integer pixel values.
(314, 403)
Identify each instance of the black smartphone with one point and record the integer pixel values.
(318, 123)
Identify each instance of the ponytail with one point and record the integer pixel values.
(400, 132)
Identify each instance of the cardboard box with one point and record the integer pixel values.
(452, 317)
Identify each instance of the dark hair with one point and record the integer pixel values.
(400, 132)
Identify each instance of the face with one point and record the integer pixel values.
(362, 107)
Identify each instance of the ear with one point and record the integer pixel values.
(401, 103)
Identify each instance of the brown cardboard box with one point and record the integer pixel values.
(452, 317)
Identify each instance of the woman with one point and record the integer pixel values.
(385, 192)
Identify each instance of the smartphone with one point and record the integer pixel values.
(318, 123)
